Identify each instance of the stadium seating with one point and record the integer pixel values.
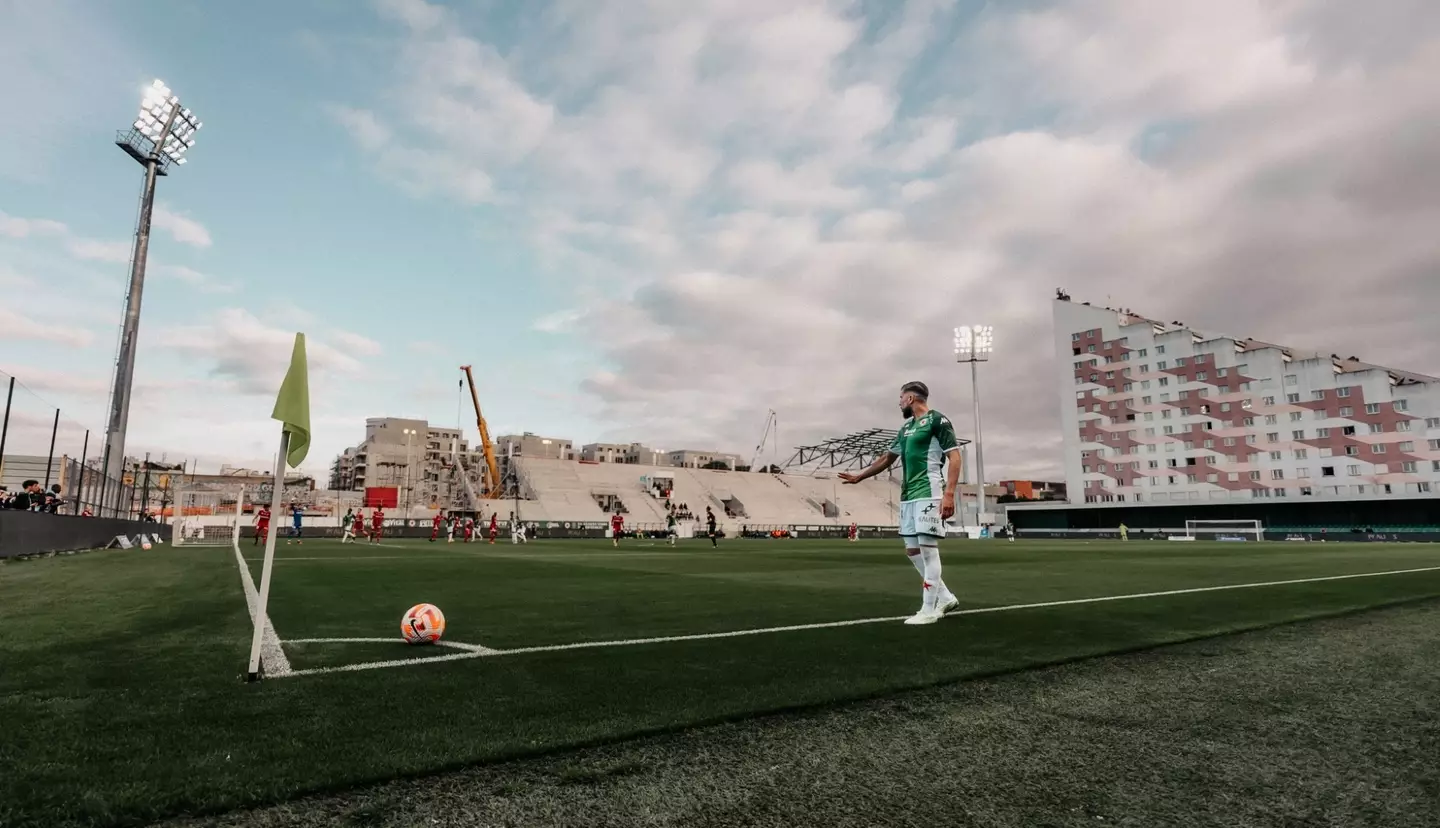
(569, 491)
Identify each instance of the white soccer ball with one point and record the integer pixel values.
(423, 624)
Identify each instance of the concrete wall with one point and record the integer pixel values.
(30, 533)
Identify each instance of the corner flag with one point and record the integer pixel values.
(292, 407)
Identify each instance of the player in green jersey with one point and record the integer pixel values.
(929, 472)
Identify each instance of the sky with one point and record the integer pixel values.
(657, 221)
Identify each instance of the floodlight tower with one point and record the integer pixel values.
(158, 140)
(974, 344)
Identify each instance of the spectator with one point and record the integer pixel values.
(54, 501)
(30, 496)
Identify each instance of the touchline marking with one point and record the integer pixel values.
(455, 645)
(272, 655)
(631, 642)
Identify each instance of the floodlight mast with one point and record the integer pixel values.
(160, 136)
(974, 344)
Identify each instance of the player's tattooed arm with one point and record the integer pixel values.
(952, 481)
(885, 461)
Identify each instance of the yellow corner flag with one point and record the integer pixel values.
(292, 407)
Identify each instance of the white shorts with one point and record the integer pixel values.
(921, 517)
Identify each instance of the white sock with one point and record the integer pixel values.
(939, 594)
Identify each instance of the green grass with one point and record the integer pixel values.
(120, 672)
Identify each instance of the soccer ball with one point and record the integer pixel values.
(423, 624)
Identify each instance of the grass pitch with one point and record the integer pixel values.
(122, 701)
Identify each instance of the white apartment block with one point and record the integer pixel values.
(1157, 412)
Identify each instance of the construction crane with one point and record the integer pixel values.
(772, 429)
(492, 468)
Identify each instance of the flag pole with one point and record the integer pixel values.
(276, 488)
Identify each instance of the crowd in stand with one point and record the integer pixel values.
(32, 497)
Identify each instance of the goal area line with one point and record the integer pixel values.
(473, 651)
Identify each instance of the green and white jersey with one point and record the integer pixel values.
(921, 445)
(670, 521)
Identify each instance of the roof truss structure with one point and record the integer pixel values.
(852, 451)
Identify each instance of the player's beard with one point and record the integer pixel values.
(907, 412)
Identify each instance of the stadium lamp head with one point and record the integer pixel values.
(974, 343)
(167, 127)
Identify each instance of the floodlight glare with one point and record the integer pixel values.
(974, 343)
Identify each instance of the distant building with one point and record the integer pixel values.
(534, 447)
(691, 459)
(635, 454)
(1034, 489)
(413, 457)
(1156, 412)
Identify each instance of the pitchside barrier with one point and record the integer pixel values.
(1270, 534)
(420, 529)
(34, 533)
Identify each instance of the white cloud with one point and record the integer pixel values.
(194, 278)
(180, 226)
(100, 251)
(15, 327)
(353, 343)
(236, 346)
(789, 204)
(558, 321)
(18, 228)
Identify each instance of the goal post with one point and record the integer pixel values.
(1224, 530)
(206, 517)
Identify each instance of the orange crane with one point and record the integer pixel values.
(492, 468)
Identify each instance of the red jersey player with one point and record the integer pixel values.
(435, 526)
(854, 532)
(617, 527)
(357, 526)
(262, 524)
(469, 529)
(494, 527)
(377, 525)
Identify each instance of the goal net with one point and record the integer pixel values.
(206, 517)
(1225, 530)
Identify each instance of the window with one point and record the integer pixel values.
(1145, 400)
(1185, 411)
(1089, 349)
(1377, 428)
(1275, 455)
(1169, 429)
(1434, 445)
(1144, 385)
(1212, 478)
(1128, 386)
(1188, 446)
(1190, 478)
(1372, 408)
(1267, 400)
(1348, 431)
(1085, 469)
(1074, 337)
(1353, 471)
(1320, 415)
(1403, 425)
(1423, 488)
(1272, 436)
(1270, 419)
(1302, 473)
(1297, 434)
(1229, 441)
(1435, 465)
(1352, 451)
(1204, 409)
(1224, 407)
(1306, 491)
(1292, 398)
(1254, 475)
(1406, 446)
(1164, 381)
(1250, 440)
(1277, 474)
(1161, 365)
(1165, 397)
(1381, 468)
(1327, 471)
(1302, 454)
(1247, 404)
(1109, 375)
(1408, 466)
(1232, 477)
(1295, 416)
(1179, 362)
(1291, 379)
(1402, 405)
(1327, 452)
(1346, 411)
(1378, 448)
(1159, 349)
(1248, 421)
(1342, 392)
(1279, 492)
(1432, 422)
(1209, 444)
(1154, 464)
(1318, 395)
(1201, 376)
(1220, 372)
(1184, 395)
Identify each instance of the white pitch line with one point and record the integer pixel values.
(272, 655)
(585, 645)
(454, 645)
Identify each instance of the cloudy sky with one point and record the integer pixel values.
(655, 220)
